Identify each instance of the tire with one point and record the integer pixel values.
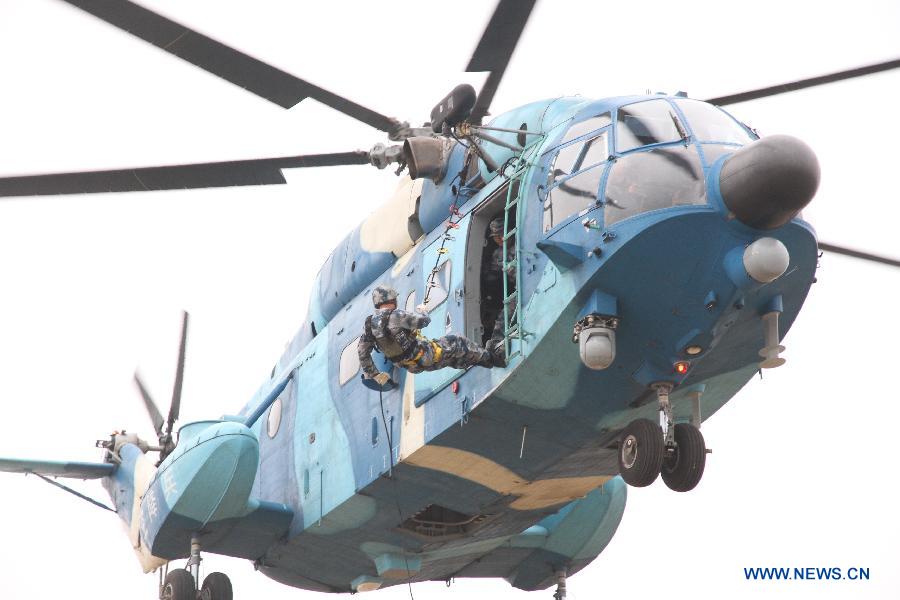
(641, 452)
(683, 470)
(216, 586)
(179, 585)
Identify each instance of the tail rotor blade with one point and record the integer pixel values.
(883, 260)
(152, 409)
(179, 377)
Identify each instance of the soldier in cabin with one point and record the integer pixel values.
(493, 279)
(496, 264)
(395, 333)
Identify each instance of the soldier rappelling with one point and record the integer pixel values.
(395, 333)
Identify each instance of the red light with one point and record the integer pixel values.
(454, 387)
(682, 367)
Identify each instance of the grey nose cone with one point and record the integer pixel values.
(766, 183)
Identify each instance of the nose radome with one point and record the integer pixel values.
(766, 183)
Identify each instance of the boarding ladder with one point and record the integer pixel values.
(515, 170)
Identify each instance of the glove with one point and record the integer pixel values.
(382, 378)
(422, 309)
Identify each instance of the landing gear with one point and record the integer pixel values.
(216, 586)
(678, 452)
(179, 585)
(683, 465)
(641, 452)
(183, 584)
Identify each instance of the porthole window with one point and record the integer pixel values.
(349, 362)
(274, 420)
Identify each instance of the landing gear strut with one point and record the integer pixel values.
(685, 451)
(193, 563)
(676, 450)
(560, 593)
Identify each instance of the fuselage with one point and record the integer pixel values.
(615, 200)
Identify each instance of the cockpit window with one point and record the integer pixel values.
(581, 155)
(570, 194)
(585, 127)
(596, 150)
(659, 178)
(709, 124)
(645, 123)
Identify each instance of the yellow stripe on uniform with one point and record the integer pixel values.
(412, 361)
(438, 351)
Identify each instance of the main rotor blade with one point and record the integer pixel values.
(261, 171)
(496, 48)
(857, 254)
(152, 409)
(213, 56)
(175, 407)
(805, 83)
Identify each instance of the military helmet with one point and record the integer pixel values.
(497, 226)
(383, 294)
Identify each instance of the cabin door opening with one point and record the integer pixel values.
(484, 283)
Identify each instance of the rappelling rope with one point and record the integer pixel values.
(451, 224)
(390, 441)
(513, 161)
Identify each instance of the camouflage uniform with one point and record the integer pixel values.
(493, 276)
(394, 333)
(495, 267)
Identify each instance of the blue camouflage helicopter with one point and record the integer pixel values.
(504, 473)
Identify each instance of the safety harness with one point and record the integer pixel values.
(400, 348)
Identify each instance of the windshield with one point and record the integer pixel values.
(711, 124)
(645, 123)
(659, 178)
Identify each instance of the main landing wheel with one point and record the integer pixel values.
(216, 586)
(683, 466)
(641, 452)
(179, 585)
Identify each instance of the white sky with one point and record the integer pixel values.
(803, 472)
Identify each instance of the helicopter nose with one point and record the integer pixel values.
(766, 183)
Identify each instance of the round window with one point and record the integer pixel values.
(274, 419)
